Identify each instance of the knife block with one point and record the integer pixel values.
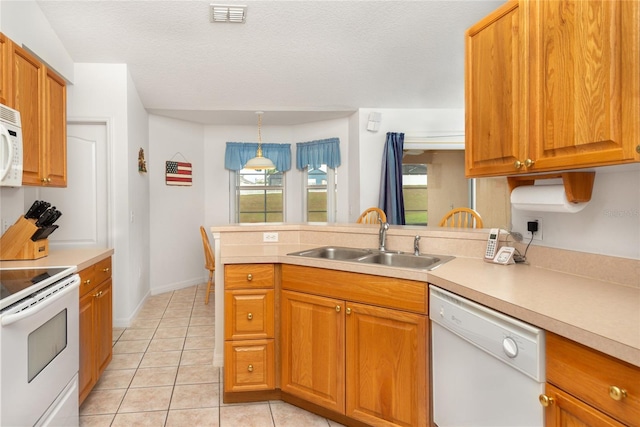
(16, 243)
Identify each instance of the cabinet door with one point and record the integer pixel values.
(386, 366)
(5, 71)
(28, 78)
(103, 325)
(87, 376)
(492, 94)
(312, 349)
(55, 130)
(567, 411)
(583, 82)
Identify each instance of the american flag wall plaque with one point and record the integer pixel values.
(178, 173)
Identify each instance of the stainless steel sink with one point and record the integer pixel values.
(406, 260)
(374, 256)
(334, 252)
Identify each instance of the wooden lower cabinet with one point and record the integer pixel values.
(386, 366)
(313, 349)
(567, 411)
(369, 363)
(249, 365)
(96, 325)
(588, 388)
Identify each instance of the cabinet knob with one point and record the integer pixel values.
(98, 295)
(638, 149)
(545, 400)
(517, 164)
(528, 163)
(250, 368)
(617, 393)
(337, 308)
(106, 269)
(348, 310)
(249, 277)
(250, 316)
(87, 282)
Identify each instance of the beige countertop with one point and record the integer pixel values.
(82, 258)
(602, 315)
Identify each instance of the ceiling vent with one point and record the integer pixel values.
(227, 13)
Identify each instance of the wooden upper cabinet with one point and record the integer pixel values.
(5, 71)
(55, 130)
(584, 77)
(27, 87)
(492, 93)
(40, 95)
(553, 85)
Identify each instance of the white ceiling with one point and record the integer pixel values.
(299, 61)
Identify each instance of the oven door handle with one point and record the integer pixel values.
(8, 319)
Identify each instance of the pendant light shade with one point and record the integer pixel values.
(259, 162)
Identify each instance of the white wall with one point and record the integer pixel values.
(371, 144)
(177, 212)
(139, 199)
(609, 224)
(24, 23)
(104, 92)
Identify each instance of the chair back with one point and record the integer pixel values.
(462, 218)
(371, 216)
(209, 261)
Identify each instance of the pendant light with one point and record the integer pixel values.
(259, 162)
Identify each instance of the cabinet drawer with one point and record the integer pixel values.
(238, 276)
(249, 314)
(87, 280)
(588, 375)
(102, 270)
(249, 365)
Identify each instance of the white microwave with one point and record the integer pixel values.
(10, 147)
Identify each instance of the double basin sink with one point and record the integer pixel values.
(373, 256)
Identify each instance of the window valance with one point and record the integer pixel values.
(317, 153)
(237, 154)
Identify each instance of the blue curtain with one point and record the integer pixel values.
(317, 153)
(391, 199)
(237, 154)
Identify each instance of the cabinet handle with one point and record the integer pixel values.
(87, 282)
(106, 269)
(250, 316)
(337, 309)
(249, 277)
(617, 393)
(528, 163)
(250, 368)
(348, 310)
(545, 400)
(517, 164)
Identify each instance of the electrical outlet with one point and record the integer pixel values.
(527, 234)
(270, 237)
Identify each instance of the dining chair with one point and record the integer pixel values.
(462, 218)
(371, 216)
(209, 262)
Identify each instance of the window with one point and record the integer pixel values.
(414, 190)
(259, 196)
(320, 194)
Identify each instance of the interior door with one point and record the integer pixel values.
(84, 202)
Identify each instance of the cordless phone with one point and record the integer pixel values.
(492, 244)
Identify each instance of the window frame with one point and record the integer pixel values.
(236, 190)
(332, 196)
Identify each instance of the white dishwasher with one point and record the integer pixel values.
(487, 368)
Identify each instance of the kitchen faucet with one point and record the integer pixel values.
(416, 246)
(384, 226)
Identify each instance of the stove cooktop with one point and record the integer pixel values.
(19, 283)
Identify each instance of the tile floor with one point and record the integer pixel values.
(162, 374)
